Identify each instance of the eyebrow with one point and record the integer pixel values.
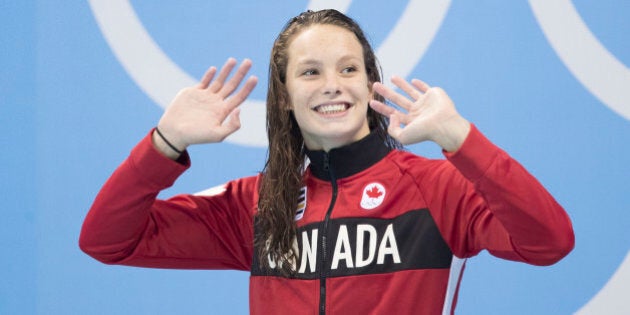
(313, 62)
(316, 62)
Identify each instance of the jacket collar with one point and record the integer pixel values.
(348, 160)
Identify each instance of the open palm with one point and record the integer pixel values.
(209, 111)
(428, 114)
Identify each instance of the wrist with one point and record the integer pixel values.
(165, 146)
(453, 133)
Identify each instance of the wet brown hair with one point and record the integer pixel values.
(282, 174)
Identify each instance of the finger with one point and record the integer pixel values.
(217, 84)
(389, 111)
(236, 79)
(421, 85)
(411, 90)
(207, 77)
(391, 95)
(244, 92)
(382, 108)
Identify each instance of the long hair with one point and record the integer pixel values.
(282, 174)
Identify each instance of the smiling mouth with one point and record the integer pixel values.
(331, 108)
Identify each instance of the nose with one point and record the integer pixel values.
(331, 85)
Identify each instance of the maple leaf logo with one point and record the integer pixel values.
(373, 192)
(373, 196)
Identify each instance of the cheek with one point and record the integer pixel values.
(364, 91)
(301, 118)
(300, 95)
(293, 101)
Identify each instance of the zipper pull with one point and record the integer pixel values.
(326, 162)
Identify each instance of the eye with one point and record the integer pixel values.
(310, 72)
(349, 69)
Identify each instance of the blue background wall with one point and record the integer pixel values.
(70, 113)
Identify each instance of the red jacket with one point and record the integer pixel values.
(379, 231)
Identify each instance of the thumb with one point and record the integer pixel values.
(234, 121)
(394, 128)
(230, 126)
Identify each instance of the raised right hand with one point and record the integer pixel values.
(207, 112)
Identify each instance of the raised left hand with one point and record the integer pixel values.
(429, 114)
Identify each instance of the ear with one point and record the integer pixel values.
(288, 106)
(285, 101)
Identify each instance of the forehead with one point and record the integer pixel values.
(322, 41)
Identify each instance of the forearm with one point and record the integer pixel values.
(538, 229)
(121, 210)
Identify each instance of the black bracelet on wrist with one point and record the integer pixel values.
(167, 142)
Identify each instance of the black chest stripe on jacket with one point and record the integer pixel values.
(359, 246)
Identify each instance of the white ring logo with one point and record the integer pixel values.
(587, 59)
(160, 78)
(609, 80)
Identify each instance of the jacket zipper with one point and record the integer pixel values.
(322, 272)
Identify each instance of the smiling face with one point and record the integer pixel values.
(328, 86)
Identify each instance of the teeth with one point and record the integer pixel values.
(330, 109)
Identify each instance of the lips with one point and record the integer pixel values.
(331, 108)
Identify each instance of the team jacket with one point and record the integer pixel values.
(380, 231)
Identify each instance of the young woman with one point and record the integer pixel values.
(363, 227)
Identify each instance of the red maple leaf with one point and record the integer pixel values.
(373, 192)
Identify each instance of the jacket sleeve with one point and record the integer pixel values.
(127, 225)
(487, 200)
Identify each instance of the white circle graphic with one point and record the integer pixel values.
(373, 196)
(339, 5)
(608, 79)
(589, 61)
(613, 297)
(160, 78)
